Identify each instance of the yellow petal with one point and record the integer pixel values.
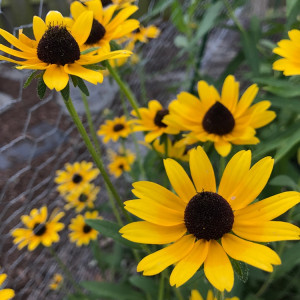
(86, 74)
(230, 93)
(39, 28)
(202, 171)
(233, 175)
(107, 15)
(122, 16)
(20, 54)
(180, 181)
(7, 294)
(217, 267)
(96, 7)
(253, 254)
(246, 100)
(269, 231)
(195, 295)
(189, 265)
(54, 18)
(55, 77)
(160, 260)
(223, 147)
(82, 27)
(148, 233)
(208, 94)
(268, 209)
(77, 8)
(158, 193)
(154, 213)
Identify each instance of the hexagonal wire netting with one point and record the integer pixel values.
(38, 138)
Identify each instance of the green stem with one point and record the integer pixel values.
(95, 156)
(98, 149)
(161, 287)
(233, 17)
(178, 293)
(124, 88)
(219, 295)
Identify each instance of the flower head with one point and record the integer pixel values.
(205, 225)
(115, 129)
(56, 282)
(75, 177)
(195, 295)
(106, 25)
(81, 233)
(221, 119)
(56, 50)
(38, 229)
(5, 294)
(143, 34)
(153, 120)
(289, 50)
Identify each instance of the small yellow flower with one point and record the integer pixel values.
(56, 282)
(75, 177)
(152, 120)
(82, 198)
(289, 50)
(81, 233)
(204, 225)
(5, 294)
(39, 230)
(56, 50)
(221, 119)
(115, 129)
(143, 34)
(195, 295)
(120, 162)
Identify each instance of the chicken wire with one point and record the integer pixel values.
(38, 138)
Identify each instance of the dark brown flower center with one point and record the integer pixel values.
(77, 178)
(121, 166)
(39, 229)
(159, 116)
(58, 46)
(83, 197)
(208, 216)
(87, 228)
(96, 34)
(218, 120)
(118, 127)
(106, 2)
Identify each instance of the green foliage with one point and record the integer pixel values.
(66, 92)
(41, 88)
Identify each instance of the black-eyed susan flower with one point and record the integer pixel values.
(38, 229)
(115, 129)
(107, 25)
(82, 198)
(289, 50)
(195, 295)
(56, 282)
(81, 233)
(143, 34)
(221, 119)
(204, 225)
(5, 294)
(75, 176)
(152, 120)
(120, 162)
(56, 50)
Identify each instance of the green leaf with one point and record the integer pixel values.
(146, 284)
(112, 290)
(41, 88)
(177, 16)
(89, 50)
(291, 104)
(161, 6)
(293, 10)
(114, 46)
(181, 41)
(74, 80)
(33, 75)
(66, 92)
(284, 180)
(94, 67)
(111, 230)
(82, 86)
(240, 269)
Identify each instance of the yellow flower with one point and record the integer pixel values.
(153, 120)
(119, 3)
(75, 177)
(221, 119)
(143, 34)
(195, 295)
(107, 25)
(120, 162)
(39, 230)
(204, 225)
(57, 50)
(82, 198)
(5, 294)
(81, 233)
(289, 50)
(56, 282)
(115, 129)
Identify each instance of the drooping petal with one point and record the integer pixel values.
(189, 265)
(55, 77)
(54, 18)
(195, 295)
(217, 267)
(223, 147)
(39, 28)
(256, 255)
(202, 171)
(180, 181)
(82, 27)
(149, 233)
(160, 260)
